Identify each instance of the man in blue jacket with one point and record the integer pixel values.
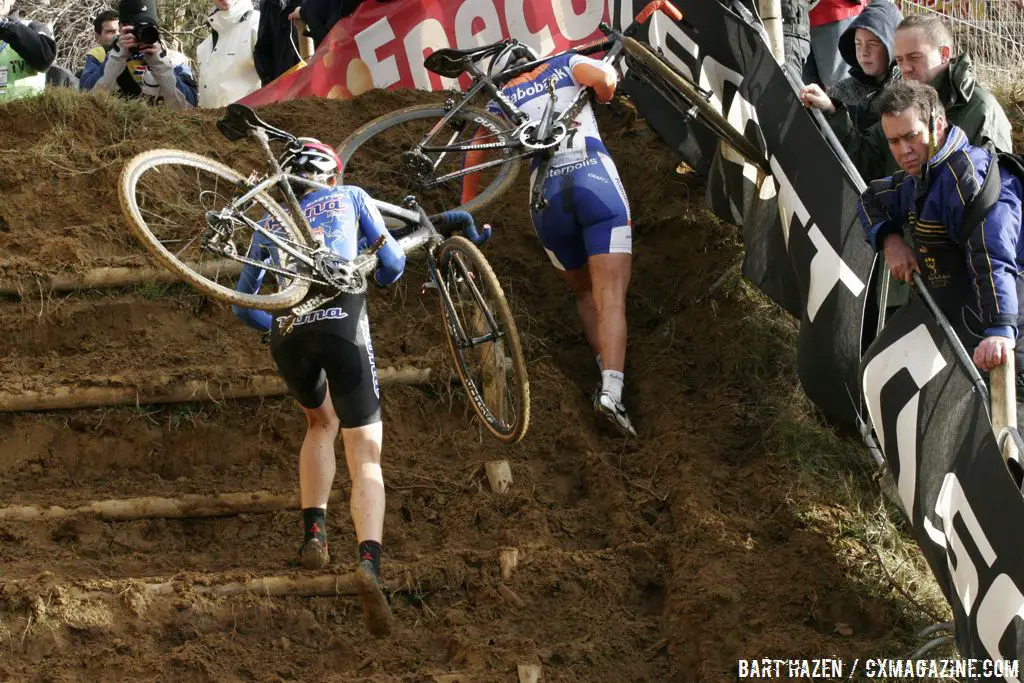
(971, 267)
(326, 358)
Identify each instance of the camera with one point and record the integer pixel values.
(146, 33)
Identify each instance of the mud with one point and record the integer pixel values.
(664, 558)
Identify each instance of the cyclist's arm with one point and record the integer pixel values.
(249, 283)
(391, 258)
(595, 74)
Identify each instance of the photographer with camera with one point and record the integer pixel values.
(138, 65)
(27, 50)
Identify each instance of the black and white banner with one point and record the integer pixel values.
(934, 430)
(803, 244)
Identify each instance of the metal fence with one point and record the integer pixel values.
(992, 31)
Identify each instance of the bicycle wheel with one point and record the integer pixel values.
(656, 66)
(373, 157)
(492, 369)
(166, 195)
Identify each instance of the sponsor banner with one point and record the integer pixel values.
(383, 44)
(932, 425)
(804, 246)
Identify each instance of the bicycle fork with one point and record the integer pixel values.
(464, 339)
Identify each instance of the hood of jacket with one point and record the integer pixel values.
(956, 84)
(881, 17)
(220, 21)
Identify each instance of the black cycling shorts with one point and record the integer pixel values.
(329, 348)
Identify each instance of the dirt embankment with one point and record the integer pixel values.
(664, 558)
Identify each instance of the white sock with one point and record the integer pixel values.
(611, 384)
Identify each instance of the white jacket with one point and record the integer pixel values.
(227, 72)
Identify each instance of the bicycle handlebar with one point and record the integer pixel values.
(663, 6)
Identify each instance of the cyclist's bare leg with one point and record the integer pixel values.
(362, 454)
(581, 286)
(610, 274)
(316, 457)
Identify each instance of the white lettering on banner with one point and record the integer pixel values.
(1002, 603)
(515, 17)
(917, 353)
(577, 26)
(669, 28)
(827, 267)
(468, 13)
(714, 76)
(427, 35)
(952, 501)
(369, 40)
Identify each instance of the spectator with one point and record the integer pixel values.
(829, 20)
(923, 47)
(971, 264)
(276, 42)
(227, 71)
(106, 27)
(796, 35)
(321, 15)
(27, 50)
(867, 46)
(149, 70)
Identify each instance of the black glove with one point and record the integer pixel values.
(265, 337)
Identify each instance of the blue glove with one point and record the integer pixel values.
(462, 221)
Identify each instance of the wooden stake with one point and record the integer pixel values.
(1004, 404)
(529, 673)
(510, 596)
(499, 475)
(172, 390)
(508, 560)
(305, 44)
(771, 17)
(100, 278)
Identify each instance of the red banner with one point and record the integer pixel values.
(383, 44)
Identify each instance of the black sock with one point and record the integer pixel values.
(315, 523)
(370, 550)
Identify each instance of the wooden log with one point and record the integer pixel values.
(317, 585)
(508, 560)
(1004, 404)
(499, 475)
(529, 673)
(171, 390)
(100, 278)
(156, 507)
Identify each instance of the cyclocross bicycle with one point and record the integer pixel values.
(194, 214)
(393, 153)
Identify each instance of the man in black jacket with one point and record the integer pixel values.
(27, 49)
(321, 15)
(276, 42)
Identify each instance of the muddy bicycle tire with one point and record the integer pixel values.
(705, 111)
(460, 248)
(130, 207)
(507, 171)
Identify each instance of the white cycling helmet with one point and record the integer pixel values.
(516, 53)
(310, 158)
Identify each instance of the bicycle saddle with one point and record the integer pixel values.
(448, 62)
(239, 119)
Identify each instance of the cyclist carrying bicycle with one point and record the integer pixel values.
(326, 358)
(585, 228)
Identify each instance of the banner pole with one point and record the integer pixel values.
(947, 329)
(771, 17)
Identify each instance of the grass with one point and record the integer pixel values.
(835, 489)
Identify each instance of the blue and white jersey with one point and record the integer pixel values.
(529, 93)
(346, 220)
